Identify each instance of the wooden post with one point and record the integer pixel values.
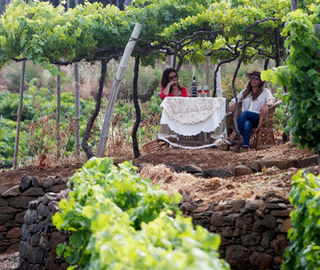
(58, 114)
(219, 87)
(294, 5)
(208, 71)
(77, 111)
(21, 88)
(115, 89)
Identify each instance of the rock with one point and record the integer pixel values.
(190, 168)
(14, 233)
(43, 210)
(7, 210)
(47, 182)
(3, 202)
(218, 173)
(20, 202)
(187, 207)
(26, 182)
(269, 221)
(56, 188)
(245, 222)
(25, 234)
(217, 219)
(237, 205)
(30, 217)
(247, 240)
(242, 170)
(34, 192)
(236, 256)
(276, 205)
(37, 256)
(309, 161)
(252, 205)
(174, 167)
(35, 181)
(266, 238)
(286, 225)
(53, 206)
(33, 204)
(261, 260)
(14, 191)
(257, 226)
(3, 189)
(5, 217)
(255, 165)
(227, 232)
(281, 164)
(281, 213)
(34, 240)
(280, 244)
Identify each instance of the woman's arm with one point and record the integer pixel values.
(184, 92)
(232, 104)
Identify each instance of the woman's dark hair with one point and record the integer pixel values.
(165, 78)
(249, 87)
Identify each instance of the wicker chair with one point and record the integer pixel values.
(262, 136)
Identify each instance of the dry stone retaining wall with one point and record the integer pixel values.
(253, 232)
(39, 237)
(14, 203)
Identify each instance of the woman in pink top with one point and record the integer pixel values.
(170, 86)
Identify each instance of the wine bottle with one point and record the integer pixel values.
(194, 87)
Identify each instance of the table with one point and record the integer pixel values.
(199, 120)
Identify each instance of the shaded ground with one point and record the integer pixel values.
(204, 158)
(219, 158)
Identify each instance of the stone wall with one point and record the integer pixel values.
(14, 204)
(253, 232)
(39, 237)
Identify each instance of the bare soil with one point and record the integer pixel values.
(204, 158)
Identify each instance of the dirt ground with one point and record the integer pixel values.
(204, 158)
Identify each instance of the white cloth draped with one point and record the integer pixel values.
(191, 116)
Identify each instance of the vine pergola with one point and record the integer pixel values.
(188, 30)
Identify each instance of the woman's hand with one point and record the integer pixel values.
(264, 109)
(232, 107)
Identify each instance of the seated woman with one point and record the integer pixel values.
(170, 86)
(255, 100)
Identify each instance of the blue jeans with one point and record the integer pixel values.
(246, 121)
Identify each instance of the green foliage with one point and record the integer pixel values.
(304, 251)
(119, 221)
(302, 79)
(38, 126)
(9, 106)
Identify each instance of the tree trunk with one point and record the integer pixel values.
(137, 108)
(277, 53)
(86, 136)
(218, 81)
(294, 5)
(115, 89)
(235, 92)
(266, 64)
(77, 111)
(208, 71)
(21, 88)
(58, 115)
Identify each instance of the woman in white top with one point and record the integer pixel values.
(255, 100)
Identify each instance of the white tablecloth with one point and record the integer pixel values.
(191, 116)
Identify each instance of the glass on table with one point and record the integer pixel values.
(199, 91)
(206, 90)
